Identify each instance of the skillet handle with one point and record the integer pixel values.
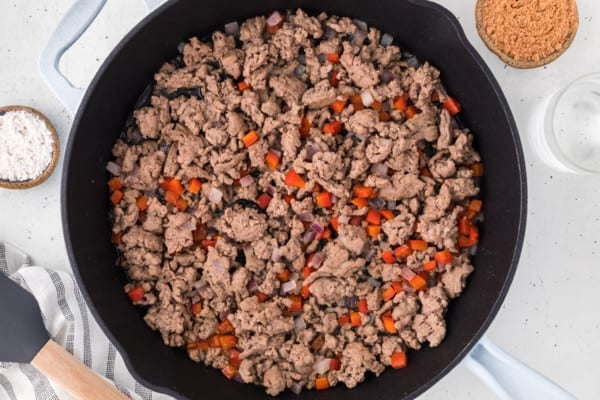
(79, 17)
(509, 378)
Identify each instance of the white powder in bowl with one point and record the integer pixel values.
(26, 146)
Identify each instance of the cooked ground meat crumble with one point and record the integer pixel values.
(295, 203)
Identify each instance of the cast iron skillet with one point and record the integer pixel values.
(423, 28)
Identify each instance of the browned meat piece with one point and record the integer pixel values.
(363, 74)
(245, 225)
(442, 233)
(353, 238)
(430, 328)
(178, 234)
(400, 227)
(356, 361)
(252, 29)
(274, 381)
(319, 96)
(363, 122)
(402, 186)
(455, 279)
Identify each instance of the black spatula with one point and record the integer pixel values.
(24, 339)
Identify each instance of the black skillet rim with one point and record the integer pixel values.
(455, 24)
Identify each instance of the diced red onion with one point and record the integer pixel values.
(386, 39)
(223, 315)
(412, 61)
(407, 273)
(367, 97)
(288, 286)
(188, 226)
(359, 37)
(322, 58)
(274, 19)
(246, 181)
(322, 366)
(252, 286)
(271, 190)
(198, 284)
(351, 301)
(275, 256)
(309, 236)
(232, 28)
(300, 69)
(217, 264)
(215, 195)
(276, 152)
(299, 324)
(311, 150)
(113, 168)
(329, 33)
(238, 378)
(316, 227)
(343, 219)
(334, 199)
(370, 254)
(473, 250)
(377, 203)
(374, 282)
(362, 25)
(196, 299)
(296, 388)
(306, 217)
(391, 205)
(407, 288)
(204, 292)
(316, 261)
(302, 58)
(386, 76)
(380, 169)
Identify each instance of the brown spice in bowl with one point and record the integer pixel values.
(527, 33)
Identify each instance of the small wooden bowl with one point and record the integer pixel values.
(55, 153)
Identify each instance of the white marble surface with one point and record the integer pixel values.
(551, 317)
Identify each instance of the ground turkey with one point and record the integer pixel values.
(295, 203)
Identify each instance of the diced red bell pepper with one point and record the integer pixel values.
(357, 102)
(243, 86)
(116, 197)
(296, 303)
(417, 282)
(334, 80)
(373, 230)
(335, 364)
(250, 138)
(388, 256)
(364, 192)
(388, 324)
(477, 169)
(272, 160)
(397, 286)
(360, 203)
(400, 103)
(403, 251)
(227, 341)
(444, 257)
(430, 265)
(225, 327)
(181, 204)
(306, 271)
(363, 307)
(338, 106)
(333, 58)
(333, 127)
(284, 275)
(229, 371)
(452, 106)
(388, 293)
(387, 214)
(399, 360)
(196, 308)
(305, 292)
(356, 220)
(142, 203)
(294, 180)
(114, 183)
(374, 217)
(171, 197)
(263, 201)
(418, 244)
(324, 200)
(322, 383)
(355, 319)
(172, 185)
(410, 112)
(136, 294)
(305, 127)
(335, 223)
(262, 297)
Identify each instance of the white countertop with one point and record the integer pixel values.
(551, 316)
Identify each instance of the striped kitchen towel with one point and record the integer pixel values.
(70, 323)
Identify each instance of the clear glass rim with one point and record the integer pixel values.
(549, 126)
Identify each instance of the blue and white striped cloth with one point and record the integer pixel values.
(70, 323)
